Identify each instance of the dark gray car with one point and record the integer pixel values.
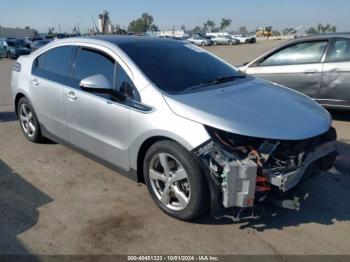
(39, 43)
(318, 66)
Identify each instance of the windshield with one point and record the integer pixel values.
(175, 67)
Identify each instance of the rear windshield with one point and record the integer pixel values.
(176, 66)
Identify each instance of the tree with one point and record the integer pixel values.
(197, 30)
(321, 29)
(326, 28)
(183, 28)
(311, 31)
(225, 23)
(209, 25)
(142, 24)
(154, 28)
(243, 29)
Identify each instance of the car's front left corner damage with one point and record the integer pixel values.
(244, 172)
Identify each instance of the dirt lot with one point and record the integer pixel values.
(56, 201)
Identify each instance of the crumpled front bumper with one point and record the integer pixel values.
(286, 181)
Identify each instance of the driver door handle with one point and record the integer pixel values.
(71, 96)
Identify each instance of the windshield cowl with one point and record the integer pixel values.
(219, 80)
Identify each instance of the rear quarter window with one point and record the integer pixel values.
(339, 51)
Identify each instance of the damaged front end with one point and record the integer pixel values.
(245, 171)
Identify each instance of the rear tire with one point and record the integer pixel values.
(187, 197)
(28, 120)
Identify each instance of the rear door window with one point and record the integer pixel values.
(301, 53)
(339, 51)
(55, 64)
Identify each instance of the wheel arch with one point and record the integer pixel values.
(143, 150)
(17, 98)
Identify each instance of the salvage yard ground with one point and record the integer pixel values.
(56, 201)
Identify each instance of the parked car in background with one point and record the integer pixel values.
(199, 40)
(212, 34)
(39, 43)
(61, 36)
(28, 41)
(318, 66)
(245, 39)
(2, 50)
(198, 132)
(224, 40)
(13, 47)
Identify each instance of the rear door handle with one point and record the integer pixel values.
(35, 82)
(71, 96)
(310, 71)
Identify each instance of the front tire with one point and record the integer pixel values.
(175, 181)
(28, 121)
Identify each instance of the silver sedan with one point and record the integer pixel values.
(318, 66)
(198, 132)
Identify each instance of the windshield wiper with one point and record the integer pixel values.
(223, 79)
(215, 81)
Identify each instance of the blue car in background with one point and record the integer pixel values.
(13, 48)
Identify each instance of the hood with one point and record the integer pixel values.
(254, 108)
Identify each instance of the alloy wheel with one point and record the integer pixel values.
(27, 120)
(169, 181)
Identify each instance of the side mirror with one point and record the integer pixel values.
(97, 83)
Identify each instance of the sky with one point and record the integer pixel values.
(280, 14)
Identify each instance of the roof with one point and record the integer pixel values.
(299, 40)
(119, 40)
(328, 35)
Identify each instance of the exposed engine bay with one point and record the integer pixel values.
(248, 170)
